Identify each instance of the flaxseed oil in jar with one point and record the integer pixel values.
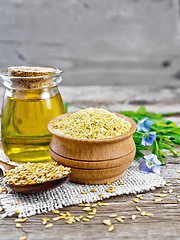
(25, 116)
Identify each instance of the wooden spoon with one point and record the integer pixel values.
(33, 188)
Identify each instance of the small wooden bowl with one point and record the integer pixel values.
(93, 161)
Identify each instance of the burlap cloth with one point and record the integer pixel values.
(70, 193)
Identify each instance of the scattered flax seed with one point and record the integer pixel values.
(87, 209)
(20, 220)
(90, 217)
(121, 183)
(178, 196)
(23, 238)
(164, 191)
(138, 208)
(143, 213)
(69, 222)
(157, 195)
(68, 214)
(99, 203)
(113, 187)
(57, 218)
(107, 190)
(158, 200)
(170, 190)
(109, 183)
(84, 192)
(107, 222)
(101, 196)
(81, 205)
(105, 204)
(133, 217)
(1, 209)
(178, 200)
(62, 214)
(62, 217)
(17, 211)
(135, 200)
(55, 211)
(80, 217)
(179, 178)
(120, 219)
(49, 225)
(162, 195)
(112, 191)
(77, 219)
(141, 197)
(168, 184)
(17, 202)
(178, 171)
(113, 215)
(149, 214)
(91, 213)
(93, 190)
(86, 219)
(94, 205)
(87, 204)
(111, 228)
(18, 225)
(94, 210)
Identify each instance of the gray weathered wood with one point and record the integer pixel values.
(94, 42)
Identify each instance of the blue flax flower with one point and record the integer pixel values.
(150, 164)
(144, 125)
(148, 138)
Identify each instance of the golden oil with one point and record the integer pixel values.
(25, 116)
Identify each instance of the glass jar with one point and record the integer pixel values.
(29, 104)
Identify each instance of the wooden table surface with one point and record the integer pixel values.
(164, 224)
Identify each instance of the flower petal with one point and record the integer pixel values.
(144, 168)
(156, 169)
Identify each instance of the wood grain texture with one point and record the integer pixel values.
(94, 42)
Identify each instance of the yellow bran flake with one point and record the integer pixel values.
(92, 123)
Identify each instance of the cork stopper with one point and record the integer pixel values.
(25, 71)
(29, 77)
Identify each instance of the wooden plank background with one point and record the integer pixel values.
(97, 42)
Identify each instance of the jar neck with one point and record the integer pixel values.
(43, 93)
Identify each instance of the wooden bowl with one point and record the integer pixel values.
(93, 161)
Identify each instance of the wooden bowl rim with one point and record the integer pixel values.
(102, 140)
